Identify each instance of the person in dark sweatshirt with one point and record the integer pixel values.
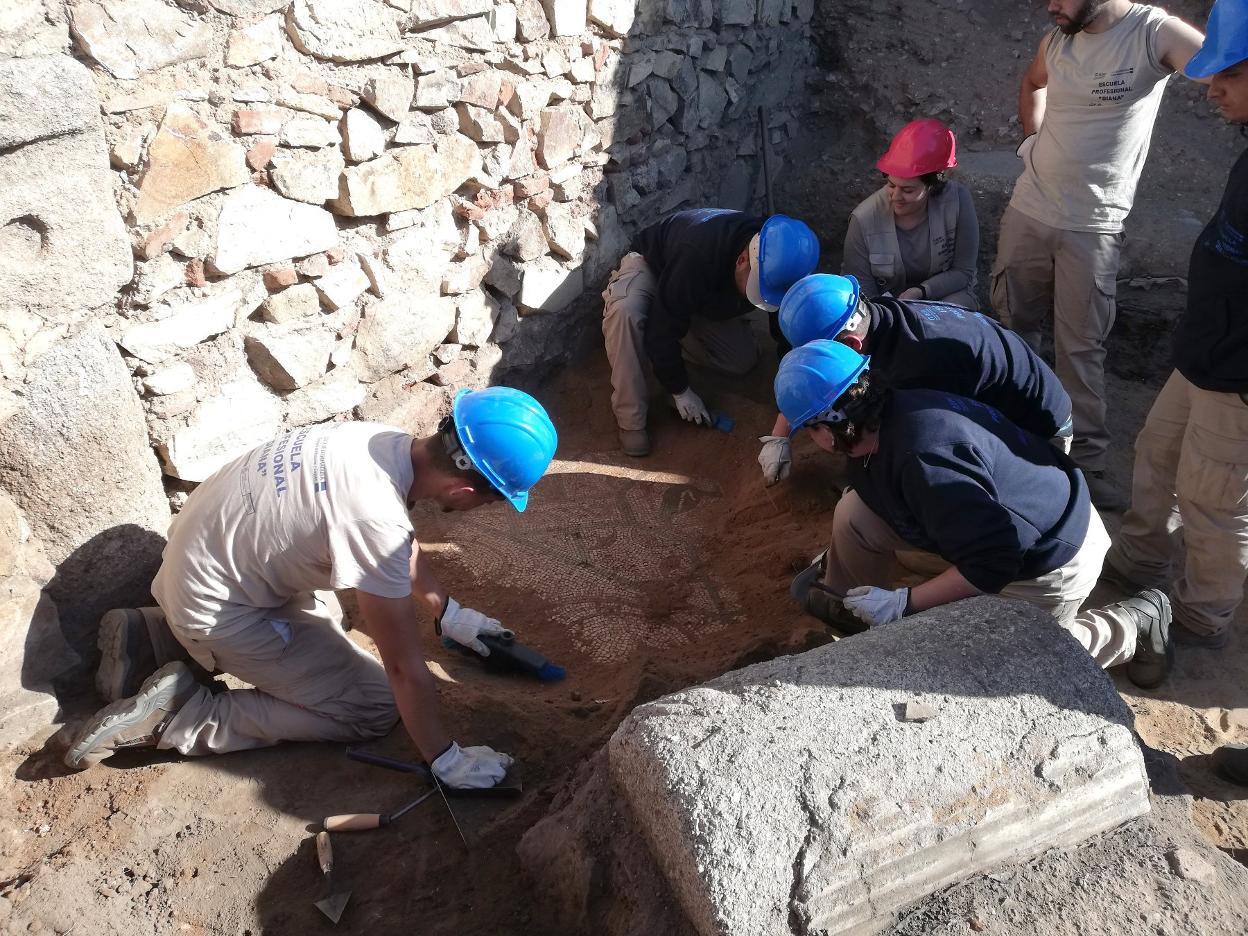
(919, 344)
(686, 286)
(946, 488)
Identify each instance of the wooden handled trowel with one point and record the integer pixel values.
(336, 896)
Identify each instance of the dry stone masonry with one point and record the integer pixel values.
(277, 212)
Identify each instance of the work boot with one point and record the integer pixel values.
(1184, 635)
(1231, 763)
(635, 442)
(126, 654)
(1103, 493)
(1154, 651)
(819, 601)
(136, 722)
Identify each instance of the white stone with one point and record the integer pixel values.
(567, 17)
(172, 379)
(787, 796)
(401, 331)
(248, 8)
(475, 315)
(408, 177)
(26, 30)
(436, 90)
(292, 304)
(546, 286)
(362, 136)
(287, 357)
(337, 392)
(317, 104)
(565, 231)
(257, 226)
(186, 324)
(389, 95)
(155, 278)
(344, 30)
(415, 129)
(237, 418)
(583, 70)
(310, 131)
(464, 276)
(503, 22)
(254, 44)
(342, 285)
(130, 37)
(615, 16)
(308, 176)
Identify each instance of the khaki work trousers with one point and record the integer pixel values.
(1073, 274)
(727, 346)
(311, 682)
(1191, 474)
(866, 551)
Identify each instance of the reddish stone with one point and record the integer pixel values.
(600, 56)
(260, 155)
(530, 186)
(313, 266)
(258, 121)
(506, 91)
(280, 278)
(307, 83)
(195, 275)
(156, 242)
(335, 255)
(343, 97)
(541, 200)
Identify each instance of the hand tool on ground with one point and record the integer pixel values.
(359, 822)
(509, 786)
(509, 655)
(336, 896)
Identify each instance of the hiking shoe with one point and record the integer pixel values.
(635, 442)
(819, 601)
(126, 654)
(1104, 495)
(1231, 763)
(1182, 634)
(1154, 651)
(136, 722)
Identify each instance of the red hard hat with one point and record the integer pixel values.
(920, 147)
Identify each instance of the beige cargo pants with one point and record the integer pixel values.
(311, 683)
(726, 346)
(1072, 274)
(865, 551)
(1191, 473)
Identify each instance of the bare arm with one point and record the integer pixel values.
(425, 585)
(1177, 42)
(1032, 93)
(949, 586)
(395, 626)
(781, 427)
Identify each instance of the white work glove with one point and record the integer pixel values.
(1025, 147)
(464, 626)
(471, 768)
(691, 407)
(876, 606)
(776, 458)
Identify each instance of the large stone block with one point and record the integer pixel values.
(567, 17)
(399, 332)
(791, 795)
(287, 357)
(81, 428)
(344, 30)
(308, 176)
(615, 16)
(410, 177)
(240, 416)
(63, 246)
(257, 226)
(32, 27)
(130, 37)
(546, 286)
(186, 159)
(182, 324)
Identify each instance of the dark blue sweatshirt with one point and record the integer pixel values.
(693, 254)
(954, 477)
(1211, 340)
(937, 346)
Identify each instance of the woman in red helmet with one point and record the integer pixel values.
(917, 237)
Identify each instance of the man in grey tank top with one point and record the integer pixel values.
(1087, 104)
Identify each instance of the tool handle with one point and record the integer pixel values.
(378, 760)
(324, 853)
(352, 822)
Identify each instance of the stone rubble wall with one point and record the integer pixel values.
(271, 213)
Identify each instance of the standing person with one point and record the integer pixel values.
(245, 588)
(1087, 104)
(1191, 457)
(929, 345)
(917, 236)
(687, 284)
(972, 502)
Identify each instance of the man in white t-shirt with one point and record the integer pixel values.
(247, 580)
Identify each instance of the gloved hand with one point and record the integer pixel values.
(691, 407)
(876, 606)
(1025, 147)
(464, 626)
(776, 458)
(471, 768)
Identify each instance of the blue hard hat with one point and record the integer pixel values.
(813, 377)
(781, 253)
(1226, 40)
(507, 436)
(818, 306)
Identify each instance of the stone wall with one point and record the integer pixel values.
(272, 213)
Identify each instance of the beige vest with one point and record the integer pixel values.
(1103, 94)
(875, 218)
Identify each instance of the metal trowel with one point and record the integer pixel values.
(336, 896)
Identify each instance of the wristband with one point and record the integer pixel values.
(909, 601)
(437, 621)
(923, 289)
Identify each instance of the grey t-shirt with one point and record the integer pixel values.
(916, 253)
